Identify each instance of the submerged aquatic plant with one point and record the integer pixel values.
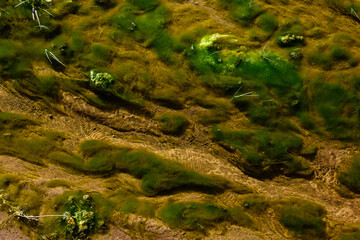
(80, 220)
(36, 6)
(264, 54)
(289, 39)
(100, 80)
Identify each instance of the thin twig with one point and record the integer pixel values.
(47, 12)
(37, 17)
(47, 53)
(248, 94)
(354, 13)
(35, 217)
(19, 4)
(4, 11)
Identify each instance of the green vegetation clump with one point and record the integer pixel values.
(193, 216)
(57, 183)
(352, 234)
(63, 8)
(157, 174)
(265, 153)
(144, 4)
(19, 137)
(304, 218)
(341, 54)
(49, 86)
(81, 215)
(242, 11)
(268, 22)
(205, 56)
(264, 74)
(329, 100)
(100, 79)
(14, 121)
(328, 56)
(321, 59)
(148, 28)
(256, 203)
(18, 197)
(350, 8)
(172, 122)
(350, 176)
(12, 63)
(131, 204)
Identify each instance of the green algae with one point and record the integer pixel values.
(266, 153)
(352, 234)
(58, 183)
(195, 216)
(19, 197)
(20, 138)
(149, 28)
(158, 175)
(349, 176)
(172, 122)
(304, 218)
(242, 11)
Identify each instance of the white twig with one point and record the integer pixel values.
(354, 13)
(19, 4)
(47, 53)
(248, 94)
(47, 12)
(25, 216)
(37, 17)
(4, 11)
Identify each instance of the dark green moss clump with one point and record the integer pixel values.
(242, 11)
(12, 63)
(201, 216)
(268, 22)
(130, 204)
(144, 4)
(266, 153)
(303, 218)
(352, 234)
(350, 176)
(57, 183)
(157, 174)
(172, 122)
(148, 27)
(350, 8)
(329, 100)
(20, 138)
(13, 121)
(255, 203)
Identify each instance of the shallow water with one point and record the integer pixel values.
(180, 119)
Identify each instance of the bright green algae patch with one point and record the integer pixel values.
(263, 72)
